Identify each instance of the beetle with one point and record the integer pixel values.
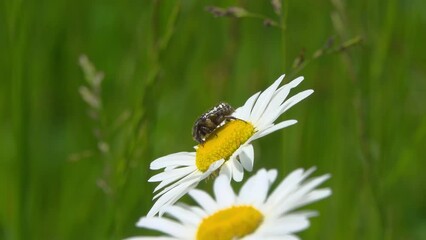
(210, 120)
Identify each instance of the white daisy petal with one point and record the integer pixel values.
(258, 184)
(166, 182)
(244, 196)
(295, 99)
(199, 211)
(169, 168)
(173, 192)
(274, 128)
(165, 225)
(294, 83)
(181, 159)
(170, 197)
(287, 186)
(223, 192)
(171, 174)
(226, 170)
(309, 186)
(313, 197)
(289, 224)
(272, 175)
(260, 187)
(204, 200)
(247, 157)
(193, 177)
(244, 111)
(263, 101)
(173, 178)
(238, 171)
(304, 195)
(185, 216)
(301, 196)
(271, 113)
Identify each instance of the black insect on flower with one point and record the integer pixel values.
(210, 120)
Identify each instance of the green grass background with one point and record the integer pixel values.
(166, 62)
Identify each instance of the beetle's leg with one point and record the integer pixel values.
(229, 118)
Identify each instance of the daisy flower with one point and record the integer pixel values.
(229, 149)
(250, 214)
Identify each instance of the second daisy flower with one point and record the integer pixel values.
(256, 212)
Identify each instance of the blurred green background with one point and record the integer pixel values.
(70, 170)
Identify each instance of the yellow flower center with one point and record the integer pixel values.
(222, 143)
(231, 223)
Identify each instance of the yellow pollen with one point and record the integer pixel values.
(231, 223)
(222, 143)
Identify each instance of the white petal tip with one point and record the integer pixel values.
(291, 122)
(141, 222)
(272, 175)
(216, 165)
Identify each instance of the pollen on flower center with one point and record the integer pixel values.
(222, 143)
(231, 223)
